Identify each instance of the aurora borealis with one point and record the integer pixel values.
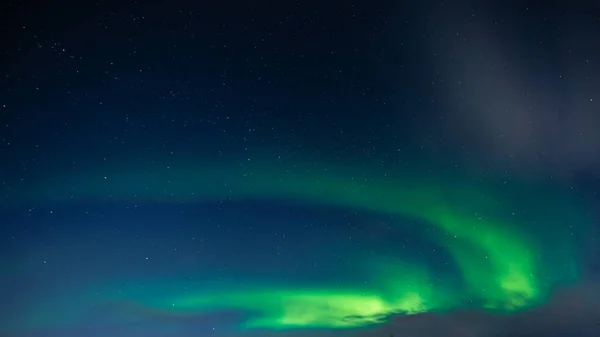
(288, 170)
(500, 259)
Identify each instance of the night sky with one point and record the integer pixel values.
(300, 169)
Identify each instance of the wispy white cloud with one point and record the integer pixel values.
(521, 101)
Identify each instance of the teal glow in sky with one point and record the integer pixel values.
(352, 169)
(509, 248)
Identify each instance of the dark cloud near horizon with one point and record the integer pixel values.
(572, 312)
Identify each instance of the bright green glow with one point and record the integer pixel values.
(399, 289)
(501, 265)
(309, 308)
(497, 265)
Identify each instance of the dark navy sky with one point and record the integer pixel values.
(126, 129)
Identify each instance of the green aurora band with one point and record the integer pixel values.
(511, 241)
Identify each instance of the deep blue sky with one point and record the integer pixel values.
(494, 94)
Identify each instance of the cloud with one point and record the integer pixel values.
(572, 312)
(521, 102)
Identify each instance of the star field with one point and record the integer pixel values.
(299, 169)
